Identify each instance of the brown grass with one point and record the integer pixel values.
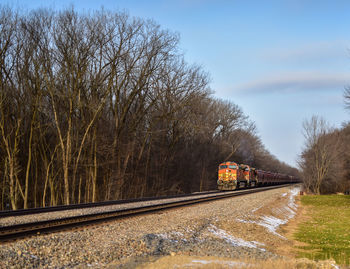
(218, 263)
(288, 230)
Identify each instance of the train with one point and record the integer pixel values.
(233, 176)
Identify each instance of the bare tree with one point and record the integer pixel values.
(347, 97)
(11, 118)
(322, 150)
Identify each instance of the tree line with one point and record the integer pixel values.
(325, 160)
(103, 106)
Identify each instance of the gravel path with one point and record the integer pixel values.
(224, 228)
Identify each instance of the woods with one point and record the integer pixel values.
(103, 106)
(325, 159)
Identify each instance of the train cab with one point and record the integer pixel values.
(227, 176)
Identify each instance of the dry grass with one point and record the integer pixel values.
(220, 263)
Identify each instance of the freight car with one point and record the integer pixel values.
(232, 176)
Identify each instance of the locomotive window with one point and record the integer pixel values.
(232, 166)
(223, 166)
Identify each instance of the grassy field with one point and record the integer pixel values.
(327, 233)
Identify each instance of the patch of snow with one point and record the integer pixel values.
(164, 236)
(246, 221)
(229, 263)
(290, 210)
(173, 236)
(167, 237)
(202, 261)
(258, 243)
(177, 233)
(272, 223)
(294, 192)
(233, 240)
(255, 209)
(284, 194)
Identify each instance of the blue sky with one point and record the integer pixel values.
(281, 61)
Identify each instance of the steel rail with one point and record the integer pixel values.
(17, 231)
(39, 210)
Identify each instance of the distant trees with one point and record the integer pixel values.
(325, 160)
(321, 161)
(347, 97)
(103, 106)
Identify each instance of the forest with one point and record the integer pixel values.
(103, 106)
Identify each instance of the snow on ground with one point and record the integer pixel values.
(287, 212)
(255, 209)
(172, 236)
(213, 262)
(233, 240)
(271, 223)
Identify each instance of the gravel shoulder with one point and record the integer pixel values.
(244, 227)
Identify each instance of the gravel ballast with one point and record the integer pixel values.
(21, 219)
(243, 226)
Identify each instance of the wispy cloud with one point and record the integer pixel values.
(296, 82)
(189, 3)
(309, 53)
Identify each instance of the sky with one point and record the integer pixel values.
(281, 61)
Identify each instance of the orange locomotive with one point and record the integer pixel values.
(228, 172)
(233, 176)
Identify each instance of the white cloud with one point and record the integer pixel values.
(309, 53)
(296, 82)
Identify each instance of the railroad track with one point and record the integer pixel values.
(39, 210)
(17, 231)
